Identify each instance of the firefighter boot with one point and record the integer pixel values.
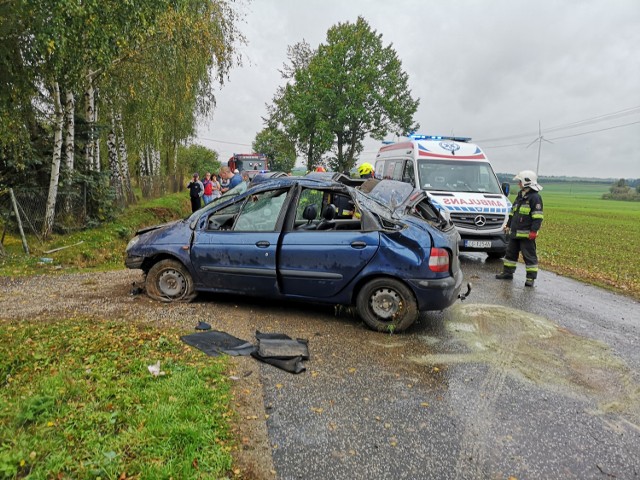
(529, 282)
(504, 276)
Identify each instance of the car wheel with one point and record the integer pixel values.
(496, 255)
(387, 305)
(169, 281)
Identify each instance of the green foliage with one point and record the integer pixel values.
(80, 402)
(278, 148)
(351, 87)
(155, 62)
(197, 158)
(621, 191)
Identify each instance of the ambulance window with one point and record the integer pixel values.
(408, 175)
(397, 170)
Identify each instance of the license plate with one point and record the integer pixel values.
(477, 243)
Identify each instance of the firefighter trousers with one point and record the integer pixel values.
(528, 249)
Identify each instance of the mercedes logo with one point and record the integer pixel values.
(480, 221)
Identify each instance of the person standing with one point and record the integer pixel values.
(207, 184)
(525, 220)
(216, 186)
(196, 190)
(235, 180)
(225, 179)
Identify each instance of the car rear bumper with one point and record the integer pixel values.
(436, 293)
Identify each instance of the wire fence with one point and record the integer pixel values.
(74, 206)
(31, 203)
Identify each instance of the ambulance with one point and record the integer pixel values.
(458, 178)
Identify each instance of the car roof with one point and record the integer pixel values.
(286, 182)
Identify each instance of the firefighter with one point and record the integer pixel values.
(365, 170)
(522, 228)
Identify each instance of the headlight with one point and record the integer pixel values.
(132, 242)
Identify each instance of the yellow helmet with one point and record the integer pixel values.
(365, 169)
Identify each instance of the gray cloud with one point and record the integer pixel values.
(485, 69)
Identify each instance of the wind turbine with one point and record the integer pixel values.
(540, 139)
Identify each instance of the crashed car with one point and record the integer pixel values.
(390, 253)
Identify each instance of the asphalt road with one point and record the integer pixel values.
(513, 382)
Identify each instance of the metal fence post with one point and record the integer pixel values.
(15, 209)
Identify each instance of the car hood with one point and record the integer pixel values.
(156, 227)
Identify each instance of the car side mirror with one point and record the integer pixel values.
(505, 188)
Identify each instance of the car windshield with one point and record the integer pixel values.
(457, 176)
(234, 192)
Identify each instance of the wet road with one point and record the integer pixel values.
(512, 383)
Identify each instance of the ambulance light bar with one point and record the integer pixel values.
(439, 137)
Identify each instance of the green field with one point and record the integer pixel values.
(590, 239)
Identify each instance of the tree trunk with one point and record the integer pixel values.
(175, 157)
(155, 155)
(96, 135)
(124, 161)
(114, 166)
(69, 112)
(55, 164)
(89, 153)
(69, 144)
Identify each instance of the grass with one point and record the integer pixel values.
(590, 239)
(78, 401)
(102, 248)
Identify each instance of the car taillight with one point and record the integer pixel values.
(439, 260)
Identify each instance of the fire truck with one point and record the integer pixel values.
(252, 163)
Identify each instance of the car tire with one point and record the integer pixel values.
(496, 255)
(169, 281)
(387, 305)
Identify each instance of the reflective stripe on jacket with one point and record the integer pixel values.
(526, 214)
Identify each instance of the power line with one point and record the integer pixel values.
(222, 141)
(564, 136)
(599, 118)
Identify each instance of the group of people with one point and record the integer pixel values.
(210, 188)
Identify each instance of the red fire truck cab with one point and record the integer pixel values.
(252, 163)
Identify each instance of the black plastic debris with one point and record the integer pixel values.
(214, 343)
(136, 290)
(203, 326)
(281, 351)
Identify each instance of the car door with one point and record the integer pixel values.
(320, 263)
(236, 249)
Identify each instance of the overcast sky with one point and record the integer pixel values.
(486, 69)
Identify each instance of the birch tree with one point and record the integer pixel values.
(55, 165)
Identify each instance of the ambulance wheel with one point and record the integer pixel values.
(169, 281)
(387, 305)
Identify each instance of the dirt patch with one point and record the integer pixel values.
(162, 214)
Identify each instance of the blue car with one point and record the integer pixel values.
(390, 252)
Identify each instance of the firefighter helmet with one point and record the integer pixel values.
(365, 169)
(320, 169)
(529, 179)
